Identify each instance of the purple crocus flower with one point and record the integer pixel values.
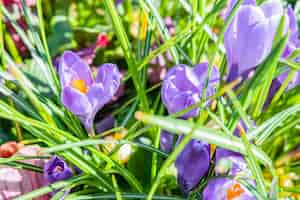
(56, 169)
(226, 189)
(192, 164)
(183, 85)
(248, 39)
(81, 93)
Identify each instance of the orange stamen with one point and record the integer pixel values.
(234, 191)
(118, 136)
(80, 85)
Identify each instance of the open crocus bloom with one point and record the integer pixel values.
(183, 85)
(83, 95)
(226, 189)
(249, 38)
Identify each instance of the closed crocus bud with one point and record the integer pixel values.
(225, 188)
(192, 164)
(182, 87)
(249, 38)
(81, 93)
(15, 182)
(56, 169)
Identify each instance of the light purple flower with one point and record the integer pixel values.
(192, 164)
(81, 93)
(183, 85)
(56, 169)
(248, 39)
(226, 189)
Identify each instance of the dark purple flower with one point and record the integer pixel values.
(56, 169)
(81, 93)
(226, 189)
(192, 164)
(248, 39)
(183, 85)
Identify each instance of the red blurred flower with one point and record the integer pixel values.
(102, 40)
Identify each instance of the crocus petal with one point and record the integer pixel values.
(184, 100)
(72, 67)
(192, 164)
(217, 189)
(246, 37)
(75, 101)
(109, 76)
(180, 88)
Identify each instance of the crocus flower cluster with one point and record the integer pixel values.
(182, 88)
(56, 169)
(249, 38)
(81, 93)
